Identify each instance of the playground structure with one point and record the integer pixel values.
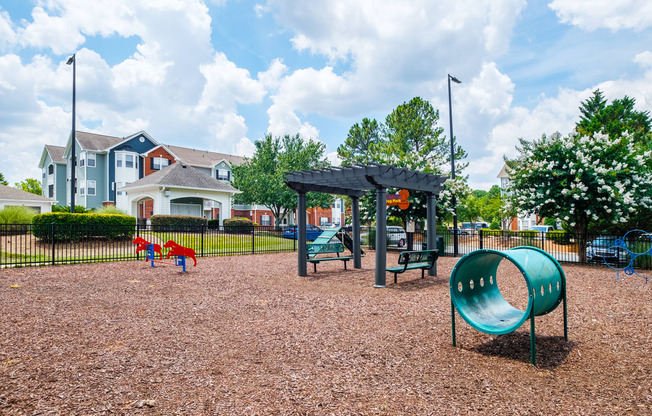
(477, 298)
(179, 252)
(621, 244)
(142, 246)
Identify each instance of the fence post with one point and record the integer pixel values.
(481, 241)
(52, 239)
(253, 239)
(203, 230)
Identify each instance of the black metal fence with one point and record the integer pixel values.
(564, 247)
(20, 246)
(59, 244)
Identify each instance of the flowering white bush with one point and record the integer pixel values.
(580, 179)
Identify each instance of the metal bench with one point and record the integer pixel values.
(410, 260)
(326, 248)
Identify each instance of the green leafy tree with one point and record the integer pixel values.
(614, 119)
(579, 179)
(3, 181)
(262, 178)
(30, 185)
(409, 138)
(361, 143)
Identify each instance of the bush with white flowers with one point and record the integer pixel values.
(580, 179)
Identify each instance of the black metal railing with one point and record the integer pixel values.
(26, 244)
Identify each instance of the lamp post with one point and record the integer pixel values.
(456, 247)
(73, 62)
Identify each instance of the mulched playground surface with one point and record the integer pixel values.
(244, 335)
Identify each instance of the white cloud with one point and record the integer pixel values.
(614, 15)
(390, 51)
(245, 147)
(7, 34)
(283, 120)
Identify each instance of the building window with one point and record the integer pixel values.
(129, 161)
(118, 185)
(223, 174)
(90, 187)
(159, 163)
(118, 160)
(51, 169)
(90, 160)
(82, 159)
(50, 191)
(265, 220)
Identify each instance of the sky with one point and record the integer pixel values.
(220, 74)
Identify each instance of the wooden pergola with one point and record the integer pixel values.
(355, 181)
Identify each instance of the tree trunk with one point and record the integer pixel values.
(581, 229)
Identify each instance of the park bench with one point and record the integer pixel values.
(326, 248)
(410, 260)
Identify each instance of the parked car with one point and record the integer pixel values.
(542, 228)
(604, 249)
(312, 232)
(396, 236)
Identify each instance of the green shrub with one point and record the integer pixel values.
(15, 219)
(188, 223)
(559, 237)
(79, 209)
(65, 226)
(495, 224)
(494, 233)
(239, 225)
(213, 224)
(17, 214)
(109, 209)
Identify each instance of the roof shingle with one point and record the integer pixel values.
(184, 176)
(7, 192)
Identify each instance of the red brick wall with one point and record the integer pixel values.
(160, 152)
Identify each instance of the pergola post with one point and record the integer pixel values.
(431, 225)
(381, 236)
(355, 211)
(301, 234)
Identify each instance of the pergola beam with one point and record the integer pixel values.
(355, 181)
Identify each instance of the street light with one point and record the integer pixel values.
(73, 62)
(450, 115)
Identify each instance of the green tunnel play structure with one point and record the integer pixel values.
(475, 291)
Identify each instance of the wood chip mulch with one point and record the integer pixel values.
(244, 335)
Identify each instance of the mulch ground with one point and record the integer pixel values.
(244, 335)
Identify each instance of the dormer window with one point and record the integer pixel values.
(223, 174)
(50, 169)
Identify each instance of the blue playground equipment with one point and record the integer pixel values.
(476, 296)
(178, 260)
(621, 244)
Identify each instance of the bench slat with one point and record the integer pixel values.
(411, 260)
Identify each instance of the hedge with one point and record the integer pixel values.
(239, 225)
(213, 224)
(559, 237)
(177, 223)
(69, 227)
(509, 233)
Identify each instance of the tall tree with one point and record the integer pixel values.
(262, 178)
(361, 143)
(579, 179)
(614, 119)
(3, 181)
(414, 141)
(409, 138)
(30, 185)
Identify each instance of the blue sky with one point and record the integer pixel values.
(220, 74)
